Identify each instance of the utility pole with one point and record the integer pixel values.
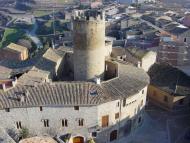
(53, 40)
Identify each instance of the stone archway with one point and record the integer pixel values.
(78, 139)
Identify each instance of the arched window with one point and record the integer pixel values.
(113, 135)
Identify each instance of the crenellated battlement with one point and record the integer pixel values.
(89, 15)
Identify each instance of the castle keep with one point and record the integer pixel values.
(102, 97)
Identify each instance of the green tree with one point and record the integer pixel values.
(24, 133)
(91, 140)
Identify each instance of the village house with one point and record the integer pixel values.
(169, 87)
(14, 52)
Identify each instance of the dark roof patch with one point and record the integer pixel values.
(170, 79)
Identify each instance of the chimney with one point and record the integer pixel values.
(97, 80)
(4, 87)
(22, 98)
(139, 64)
(14, 82)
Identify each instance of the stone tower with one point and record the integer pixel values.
(89, 45)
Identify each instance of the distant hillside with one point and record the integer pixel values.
(27, 4)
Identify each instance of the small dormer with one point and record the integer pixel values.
(97, 80)
(21, 96)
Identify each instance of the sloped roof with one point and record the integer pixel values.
(137, 52)
(16, 47)
(170, 79)
(5, 72)
(130, 80)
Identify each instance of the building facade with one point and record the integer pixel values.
(96, 121)
(14, 52)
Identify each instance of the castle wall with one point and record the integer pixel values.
(32, 118)
(130, 115)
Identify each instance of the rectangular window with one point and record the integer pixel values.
(41, 109)
(18, 125)
(118, 104)
(46, 123)
(142, 91)
(76, 107)
(7, 109)
(117, 115)
(81, 122)
(124, 102)
(64, 123)
(94, 134)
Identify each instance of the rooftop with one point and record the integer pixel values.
(170, 79)
(5, 72)
(43, 69)
(130, 80)
(16, 47)
(137, 52)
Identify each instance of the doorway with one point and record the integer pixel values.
(78, 139)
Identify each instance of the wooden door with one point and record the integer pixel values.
(105, 121)
(78, 140)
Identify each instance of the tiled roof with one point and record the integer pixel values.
(170, 79)
(5, 72)
(137, 52)
(55, 94)
(130, 81)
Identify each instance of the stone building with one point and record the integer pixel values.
(169, 87)
(106, 102)
(14, 52)
(174, 53)
(138, 57)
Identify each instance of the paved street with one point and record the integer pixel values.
(162, 127)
